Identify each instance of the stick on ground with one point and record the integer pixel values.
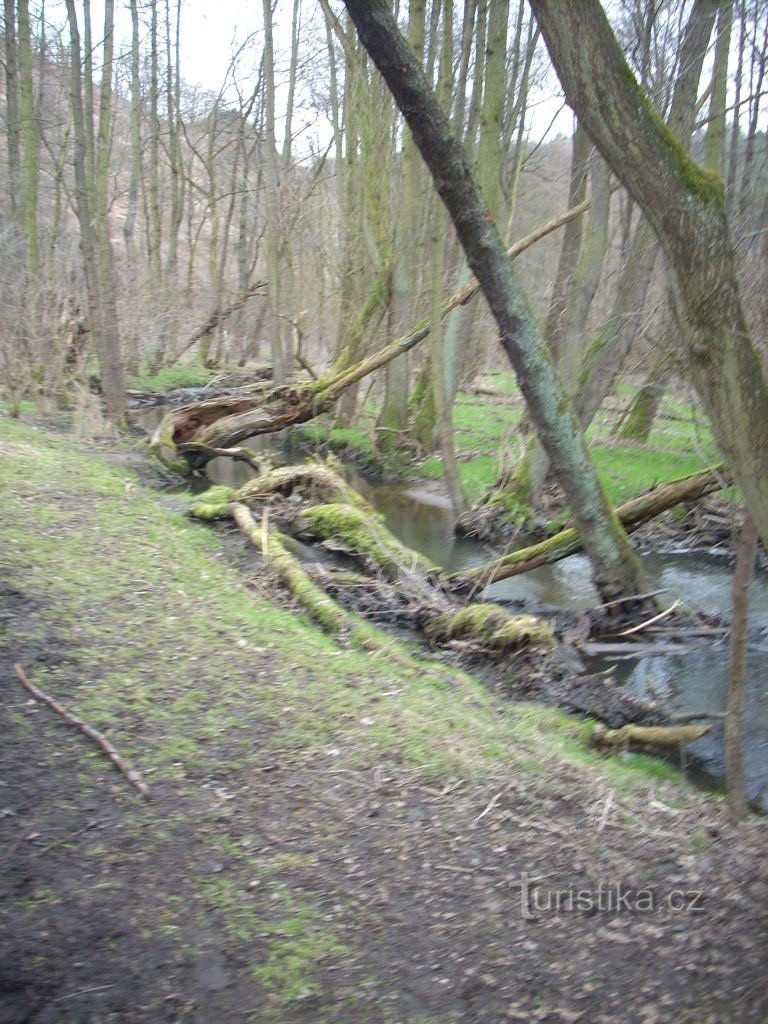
(133, 776)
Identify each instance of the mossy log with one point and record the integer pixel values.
(318, 603)
(315, 483)
(361, 533)
(493, 627)
(647, 735)
(397, 577)
(567, 542)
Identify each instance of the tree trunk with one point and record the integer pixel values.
(686, 206)
(737, 671)
(12, 119)
(616, 569)
(29, 137)
(393, 418)
(631, 514)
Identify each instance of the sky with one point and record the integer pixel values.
(213, 30)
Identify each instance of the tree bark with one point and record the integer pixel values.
(616, 569)
(735, 783)
(631, 514)
(686, 207)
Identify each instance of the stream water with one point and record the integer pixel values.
(694, 681)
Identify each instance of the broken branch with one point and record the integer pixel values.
(99, 738)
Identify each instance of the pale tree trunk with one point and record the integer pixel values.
(393, 418)
(486, 123)
(442, 399)
(714, 139)
(686, 206)
(29, 137)
(757, 69)
(616, 569)
(155, 213)
(173, 115)
(129, 226)
(737, 671)
(583, 287)
(273, 232)
(91, 205)
(571, 245)
(12, 119)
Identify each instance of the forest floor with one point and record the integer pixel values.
(331, 837)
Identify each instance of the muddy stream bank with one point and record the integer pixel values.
(690, 680)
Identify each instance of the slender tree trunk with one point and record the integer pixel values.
(616, 570)
(605, 357)
(129, 225)
(571, 246)
(737, 671)
(273, 201)
(29, 136)
(91, 201)
(12, 119)
(393, 419)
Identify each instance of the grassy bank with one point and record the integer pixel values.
(313, 808)
(488, 441)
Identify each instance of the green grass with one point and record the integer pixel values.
(189, 375)
(488, 441)
(166, 638)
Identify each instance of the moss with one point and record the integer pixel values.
(492, 626)
(172, 377)
(360, 531)
(212, 504)
(312, 481)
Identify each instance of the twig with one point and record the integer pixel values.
(83, 992)
(648, 622)
(490, 805)
(133, 776)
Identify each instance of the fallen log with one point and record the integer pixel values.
(396, 577)
(632, 514)
(196, 430)
(647, 735)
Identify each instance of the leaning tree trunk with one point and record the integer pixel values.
(616, 570)
(686, 207)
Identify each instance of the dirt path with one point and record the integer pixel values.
(329, 839)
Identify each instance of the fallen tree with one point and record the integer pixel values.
(312, 502)
(567, 542)
(320, 541)
(192, 435)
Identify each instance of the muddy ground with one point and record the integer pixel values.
(271, 878)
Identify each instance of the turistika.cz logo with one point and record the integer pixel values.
(606, 898)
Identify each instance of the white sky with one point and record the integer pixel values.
(213, 30)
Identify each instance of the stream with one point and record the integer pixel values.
(693, 681)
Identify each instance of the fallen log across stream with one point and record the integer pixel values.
(335, 556)
(632, 514)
